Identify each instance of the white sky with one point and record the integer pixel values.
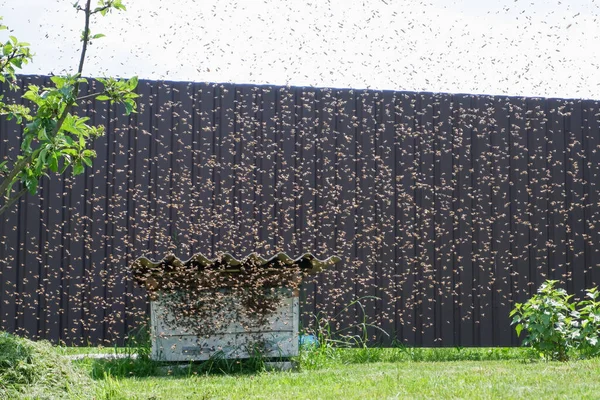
(543, 48)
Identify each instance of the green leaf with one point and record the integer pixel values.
(53, 162)
(98, 36)
(518, 329)
(31, 184)
(132, 83)
(17, 62)
(78, 169)
(27, 142)
(118, 4)
(42, 135)
(32, 94)
(102, 97)
(59, 81)
(129, 106)
(6, 49)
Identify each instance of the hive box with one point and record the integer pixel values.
(277, 338)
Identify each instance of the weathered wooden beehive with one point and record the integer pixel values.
(238, 337)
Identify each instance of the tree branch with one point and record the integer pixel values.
(86, 34)
(12, 200)
(12, 56)
(96, 11)
(17, 168)
(69, 105)
(89, 96)
(23, 162)
(100, 9)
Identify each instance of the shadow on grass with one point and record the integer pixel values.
(145, 367)
(309, 359)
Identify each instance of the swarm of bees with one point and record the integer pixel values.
(445, 209)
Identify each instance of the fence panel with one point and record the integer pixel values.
(445, 209)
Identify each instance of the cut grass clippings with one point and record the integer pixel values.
(35, 370)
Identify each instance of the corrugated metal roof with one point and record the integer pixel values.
(145, 268)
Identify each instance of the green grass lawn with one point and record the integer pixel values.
(436, 380)
(41, 371)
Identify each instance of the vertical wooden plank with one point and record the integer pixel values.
(229, 99)
(111, 243)
(141, 196)
(98, 202)
(501, 227)
(29, 264)
(20, 245)
(366, 253)
(191, 109)
(90, 307)
(425, 213)
(267, 218)
(387, 258)
(119, 256)
(246, 185)
(207, 136)
(538, 179)
(54, 266)
(164, 233)
(142, 202)
(482, 215)
(457, 210)
(519, 201)
(407, 169)
(587, 184)
(346, 177)
(575, 197)
(285, 170)
(76, 314)
(74, 187)
(107, 218)
(327, 193)
(592, 216)
(305, 151)
(557, 218)
(136, 306)
(10, 134)
(464, 213)
(50, 244)
(444, 187)
(184, 216)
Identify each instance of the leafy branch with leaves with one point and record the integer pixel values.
(54, 136)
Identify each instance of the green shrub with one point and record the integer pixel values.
(588, 311)
(557, 327)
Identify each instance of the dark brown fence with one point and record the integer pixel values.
(446, 209)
